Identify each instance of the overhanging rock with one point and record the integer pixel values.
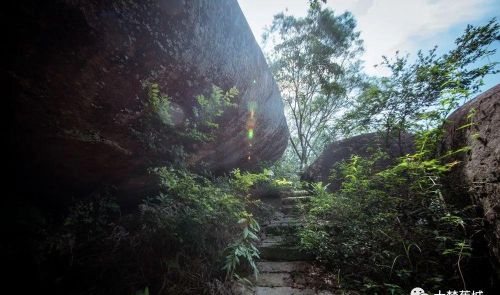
(78, 77)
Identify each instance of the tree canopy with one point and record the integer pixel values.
(315, 61)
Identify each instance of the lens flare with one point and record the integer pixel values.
(251, 122)
(250, 135)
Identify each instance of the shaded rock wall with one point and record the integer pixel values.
(477, 177)
(78, 70)
(362, 145)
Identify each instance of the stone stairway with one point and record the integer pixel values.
(284, 269)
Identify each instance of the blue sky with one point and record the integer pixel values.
(389, 25)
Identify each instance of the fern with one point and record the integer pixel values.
(244, 248)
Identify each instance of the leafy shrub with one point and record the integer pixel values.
(205, 111)
(263, 184)
(188, 239)
(247, 180)
(389, 231)
(243, 247)
(394, 223)
(210, 108)
(160, 103)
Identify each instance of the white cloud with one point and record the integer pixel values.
(390, 25)
(385, 25)
(259, 13)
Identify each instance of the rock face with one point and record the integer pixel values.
(362, 145)
(477, 177)
(78, 73)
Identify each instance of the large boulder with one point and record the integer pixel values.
(79, 72)
(363, 145)
(476, 125)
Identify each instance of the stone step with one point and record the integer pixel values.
(260, 290)
(295, 200)
(287, 291)
(282, 228)
(283, 266)
(270, 240)
(296, 193)
(283, 253)
(278, 240)
(286, 219)
(290, 210)
(279, 279)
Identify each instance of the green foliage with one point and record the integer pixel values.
(286, 167)
(143, 292)
(206, 201)
(246, 180)
(407, 99)
(86, 220)
(206, 111)
(212, 107)
(190, 237)
(283, 182)
(315, 61)
(212, 209)
(345, 225)
(395, 223)
(316, 3)
(261, 185)
(160, 103)
(244, 248)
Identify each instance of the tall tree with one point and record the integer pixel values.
(315, 61)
